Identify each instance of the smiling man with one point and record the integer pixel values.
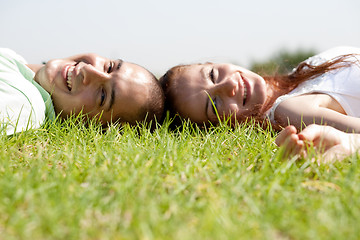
(110, 90)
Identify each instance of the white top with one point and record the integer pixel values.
(342, 84)
(24, 104)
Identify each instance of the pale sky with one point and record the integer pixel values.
(158, 34)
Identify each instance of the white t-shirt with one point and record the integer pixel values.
(24, 104)
(342, 84)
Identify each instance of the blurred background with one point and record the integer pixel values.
(159, 34)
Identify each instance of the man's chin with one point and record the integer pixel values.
(42, 79)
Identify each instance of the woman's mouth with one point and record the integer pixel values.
(243, 84)
(245, 93)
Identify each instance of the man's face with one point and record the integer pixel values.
(97, 86)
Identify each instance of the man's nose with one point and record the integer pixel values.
(93, 75)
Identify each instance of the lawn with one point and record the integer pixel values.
(70, 182)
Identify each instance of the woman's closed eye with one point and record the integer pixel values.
(212, 75)
(102, 97)
(213, 106)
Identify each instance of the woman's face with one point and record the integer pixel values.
(97, 86)
(236, 92)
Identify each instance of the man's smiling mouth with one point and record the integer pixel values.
(69, 75)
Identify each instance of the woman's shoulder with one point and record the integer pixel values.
(331, 54)
(339, 51)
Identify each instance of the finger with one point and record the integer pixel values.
(284, 134)
(321, 136)
(298, 148)
(292, 145)
(311, 132)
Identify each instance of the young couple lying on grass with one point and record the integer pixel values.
(324, 89)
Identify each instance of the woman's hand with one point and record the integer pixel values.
(332, 143)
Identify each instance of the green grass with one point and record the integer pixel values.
(72, 182)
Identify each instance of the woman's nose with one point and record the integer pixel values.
(93, 75)
(227, 87)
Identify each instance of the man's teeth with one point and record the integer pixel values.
(68, 77)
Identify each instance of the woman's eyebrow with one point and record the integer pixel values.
(207, 104)
(203, 75)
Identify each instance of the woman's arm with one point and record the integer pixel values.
(334, 144)
(304, 110)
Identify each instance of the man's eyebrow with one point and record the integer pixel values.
(112, 97)
(120, 62)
